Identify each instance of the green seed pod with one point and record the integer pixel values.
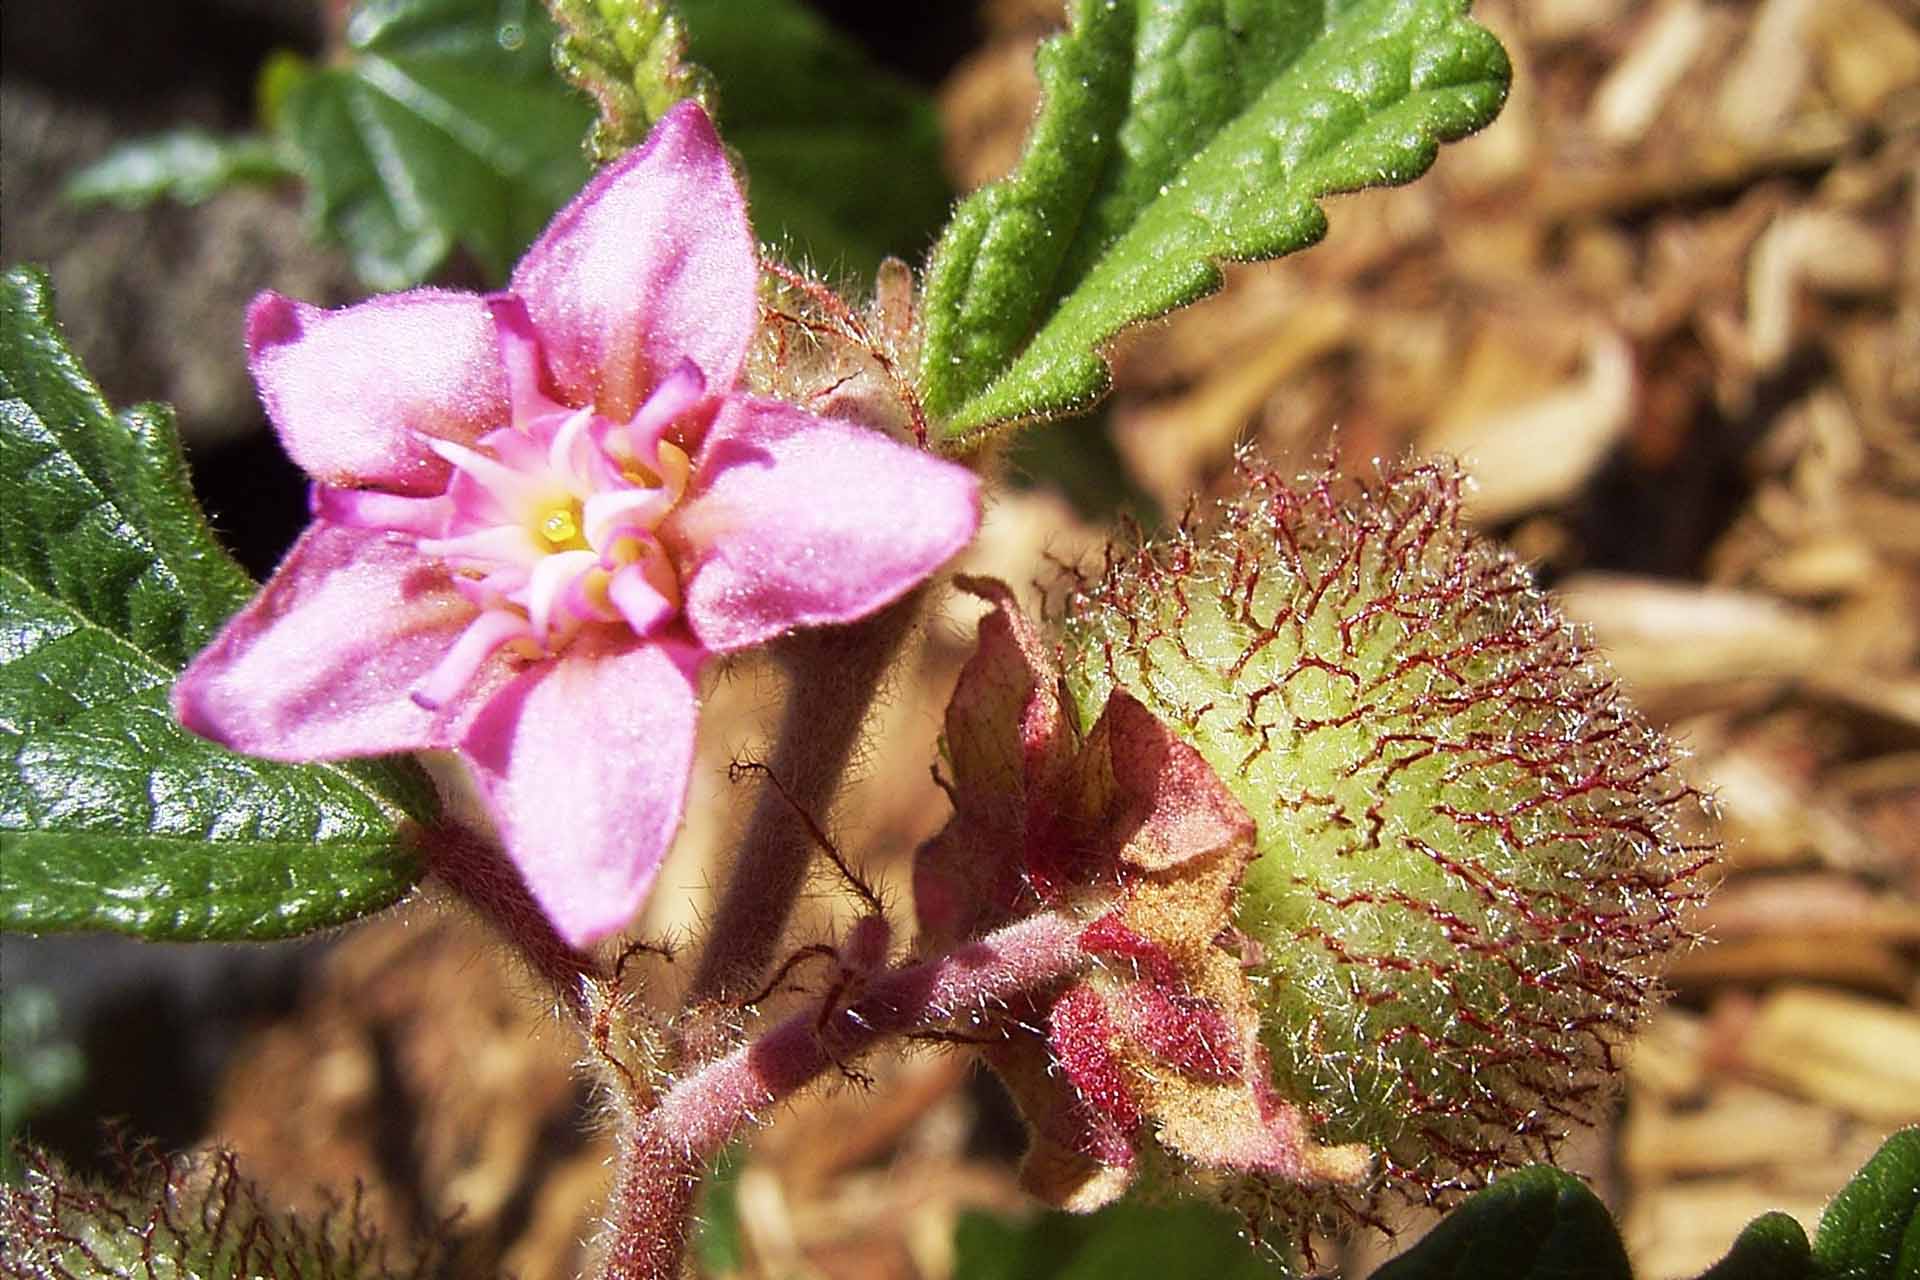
(1471, 853)
(186, 1217)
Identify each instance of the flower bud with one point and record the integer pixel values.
(1470, 853)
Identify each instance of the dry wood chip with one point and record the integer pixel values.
(1860, 1055)
(1677, 1230)
(1585, 420)
(1666, 1062)
(1659, 632)
(1760, 90)
(1632, 95)
(1867, 51)
(1740, 1127)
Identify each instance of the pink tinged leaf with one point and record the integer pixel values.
(1181, 808)
(584, 762)
(323, 663)
(1183, 1031)
(1111, 938)
(795, 521)
(1081, 1038)
(653, 263)
(1004, 724)
(354, 393)
(1275, 1139)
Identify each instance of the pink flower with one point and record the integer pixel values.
(538, 514)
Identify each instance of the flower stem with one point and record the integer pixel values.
(478, 871)
(664, 1155)
(835, 674)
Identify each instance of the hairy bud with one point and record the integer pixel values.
(184, 1217)
(1470, 854)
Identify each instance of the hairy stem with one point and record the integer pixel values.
(835, 673)
(664, 1155)
(478, 871)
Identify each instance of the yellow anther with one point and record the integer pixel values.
(560, 527)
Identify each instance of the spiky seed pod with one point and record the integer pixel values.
(1472, 854)
(183, 1217)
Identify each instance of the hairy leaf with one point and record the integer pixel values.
(441, 124)
(1123, 1242)
(1773, 1247)
(1871, 1231)
(188, 165)
(1535, 1224)
(1174, 137)
(111, 815)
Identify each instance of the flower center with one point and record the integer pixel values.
(550, 527)
(561, 528)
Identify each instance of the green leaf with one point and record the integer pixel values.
(1535, 1224)
(1773, 1247)
(111, 815)
(630, 57)
(188, 165)
(842, 158)
(37, 1068)
(441, 124)
(1175, 136)
(717, 1242)
(1871, 1231)
(1077, 456)
(1123, 1242)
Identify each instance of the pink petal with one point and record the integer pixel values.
(584, 761)
(322, 664)
(349, 389)
(796, 521)
(653, 263)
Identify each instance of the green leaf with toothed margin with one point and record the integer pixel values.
(1534, 1224)
(440, 125)
(1772, 1247)
(1871, 1231)
(111, 815)
(1175, 136)
(1121, 1242)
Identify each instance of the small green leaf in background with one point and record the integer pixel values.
(441, 124)
(1871, 1231)
(1123, 1242)
(842, 158)
(1773, 1247)
(717, 1243)
(36, 1068)
(187, 165)
(1174, 136)
(111, 815)
(630, 57)
(1534, 1224)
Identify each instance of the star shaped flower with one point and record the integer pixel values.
(538, 514)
